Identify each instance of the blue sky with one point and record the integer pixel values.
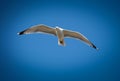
(37, 57)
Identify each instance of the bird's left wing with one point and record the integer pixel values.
(77, 35)
(37, 29)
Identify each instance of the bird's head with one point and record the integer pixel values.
(58, 28)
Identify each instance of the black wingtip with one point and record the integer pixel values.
(94, 47)
(21, 33)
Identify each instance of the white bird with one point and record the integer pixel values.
(59, 32)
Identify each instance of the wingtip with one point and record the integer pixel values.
(21, 33)
(18, 33)
(95, 47)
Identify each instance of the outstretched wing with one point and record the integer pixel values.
(77, 35)
(37, 29)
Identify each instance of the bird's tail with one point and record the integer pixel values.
(61, 42)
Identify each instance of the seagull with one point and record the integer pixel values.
(59, 32)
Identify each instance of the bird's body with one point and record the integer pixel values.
(60, 35)
(59, 32)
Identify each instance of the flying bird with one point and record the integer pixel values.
(59, 32)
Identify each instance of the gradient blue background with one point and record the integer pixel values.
(39, 58)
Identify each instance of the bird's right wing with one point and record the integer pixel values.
(79, 36)
(37, 29)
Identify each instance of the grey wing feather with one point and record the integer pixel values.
(77, 35)
(39, 28)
